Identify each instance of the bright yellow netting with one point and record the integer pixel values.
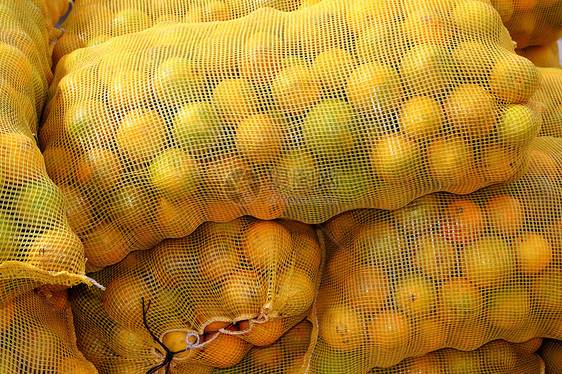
(95, 21)
(531, 22)
(36, 241)
(37, 336)
(550, 94)
(208, 297)
(300, 115)
(545, 56)
(445, 271)
(551, 353)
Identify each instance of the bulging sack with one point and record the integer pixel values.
(496, 357)
(531, 22)
(37, 336)
(300, 115)
(445, 271)
(550, 95)
(94, 21)
(201, 301)
(544, 56)
(551, 353)
(288, 355)
(36, 242)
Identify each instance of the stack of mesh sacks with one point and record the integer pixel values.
(299, 115)
(37, 245)
(162, 139)
(445, 271)
(551, 353)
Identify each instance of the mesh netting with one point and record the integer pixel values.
(94, 21)
(208, 297)
(531, 22)
(551, 353)
(300, 115)
(445, 271)
(288, 355)
(545, 56)
(550, 94)
(36, 242)
(37, 336)
(497, 357)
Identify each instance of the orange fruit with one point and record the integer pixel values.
(328, 129)
(488, 262)
(75, 365)
(430, 334)
(547, 297)
(24, 157)
(243, 293)
(518, 124)
(122, 300)
(174, 174)
(430, 363)
(477, 19)
(435, 256)
(266, 359)
(16, 69)
(332, 68)
(177, 81)
(266, 244)
(295, 90)
(415, 294)
(105, 244)
(503, 164)
(259, 139)
(269, 204)
(60, 164)
(514, 79)
(395, 158)
(216, 257)
(460, 301)
(180, 341)
(196, 127)
(379, 243)
(221, 211)
(341, 227)
(262, 334)
(435, 62)
(223, 351)
(451, 163)
(127, 341)
(463, 221)
(127, 88)
(374, 89)
(307, 252)
(171, 219)
(338, 264)
(366, 288)
(294, 293)
(388, 330)
(99, 169)
(421, 117)
(88, 124)
(531, 346)
(260, 61)
(471, 110)
(364, 14)
(505, 214)
(78, 209)
(342, 328)
(533, 252)
(509, 308)
(427, 26)
(235, 100)
(141, 135)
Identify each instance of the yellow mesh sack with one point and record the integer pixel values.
(445, 271)
(37, 336)
(36, 241)
(288, 355)
(95, 21)
(497, 357)
(203, 300)
(550, 95)
(299, 115)
(531, 22)
(551, 353)
(544, 56)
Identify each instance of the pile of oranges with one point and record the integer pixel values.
(208, 297)
(445, 271)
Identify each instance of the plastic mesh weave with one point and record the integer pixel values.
(550, 94)
(544, 56)
(37, 336)
(531, 22)
(551, 353)
(36, 241)
(300, 115)
(213, 295)
(95, 21)
(445, 271)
